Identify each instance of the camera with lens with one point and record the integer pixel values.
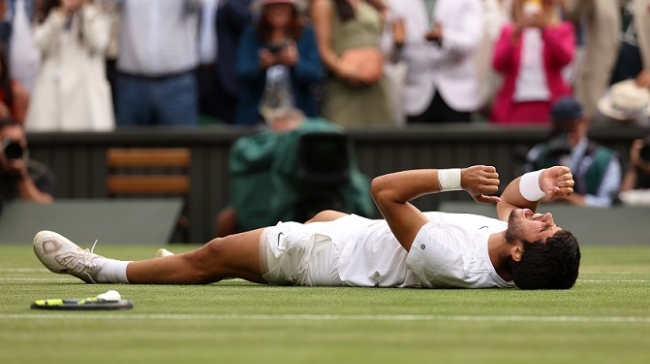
(644, 153)
(12, 149)
(277, 48)
(559, 145)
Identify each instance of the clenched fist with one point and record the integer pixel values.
(556, 182)
(481, 182)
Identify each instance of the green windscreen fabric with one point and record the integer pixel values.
(264, 184)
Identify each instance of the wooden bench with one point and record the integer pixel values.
(151, 172)
(148, 171)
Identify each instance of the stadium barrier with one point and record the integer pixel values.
(79, 159)
(128, 221)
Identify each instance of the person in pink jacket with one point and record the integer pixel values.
(530, 55)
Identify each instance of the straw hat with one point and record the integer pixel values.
(298, 4)
(625, 101)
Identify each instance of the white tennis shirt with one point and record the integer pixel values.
(449, 251)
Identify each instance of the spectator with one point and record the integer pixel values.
(278, 63)
(531, 54)
(596, 169)
(21, 177)
(233, 16)
(625, 104)
(14, 98)
(157, 58)
(442, 84)
(602, 24)
(23, 55)
(280, 121)
(496, 14)
(635, 189)
(71, 92)
(634, 53)
(395, 68)
(348, 33)
(5, 25)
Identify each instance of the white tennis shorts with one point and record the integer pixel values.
(304, 254)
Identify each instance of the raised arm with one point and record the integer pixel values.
(322, 14)
(47, 33)
(526, 191)
(392, 193)
(96, 29)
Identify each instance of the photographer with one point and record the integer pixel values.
(20, 177)
(596, 169)
(635, 189)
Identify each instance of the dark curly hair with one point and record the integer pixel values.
(294, 30)
(550, 265)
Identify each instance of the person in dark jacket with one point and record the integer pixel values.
(596, 169)
(278, 64)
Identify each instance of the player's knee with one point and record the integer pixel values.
(326, 215)
(206, 261)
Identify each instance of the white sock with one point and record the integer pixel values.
(113, 271)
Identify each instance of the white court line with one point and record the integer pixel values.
(614, 280)
(24, 270)
(236, 317)
(30, 279)
(66, 278)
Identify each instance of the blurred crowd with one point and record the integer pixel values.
(92, 65)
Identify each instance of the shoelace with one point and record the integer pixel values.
(86, 261)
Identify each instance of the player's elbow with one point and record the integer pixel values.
(380, 190)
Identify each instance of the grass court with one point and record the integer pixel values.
(605, 318)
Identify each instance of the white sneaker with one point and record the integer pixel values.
(162, 252)
(60, 255)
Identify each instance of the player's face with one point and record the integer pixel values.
(524, 224)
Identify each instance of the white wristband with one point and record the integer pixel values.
(449, 179)
(529, 186)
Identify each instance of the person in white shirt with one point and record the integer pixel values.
(441, 38)
(407, 249)
(158, 54)
(24, 55)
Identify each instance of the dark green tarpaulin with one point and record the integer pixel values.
(265, 189)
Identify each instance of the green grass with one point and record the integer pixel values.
(604, 319)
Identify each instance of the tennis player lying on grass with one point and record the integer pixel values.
(407, 249)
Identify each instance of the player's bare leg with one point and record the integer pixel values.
(234, 256)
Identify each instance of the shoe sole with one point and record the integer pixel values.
(46, 245)
(162, 252)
